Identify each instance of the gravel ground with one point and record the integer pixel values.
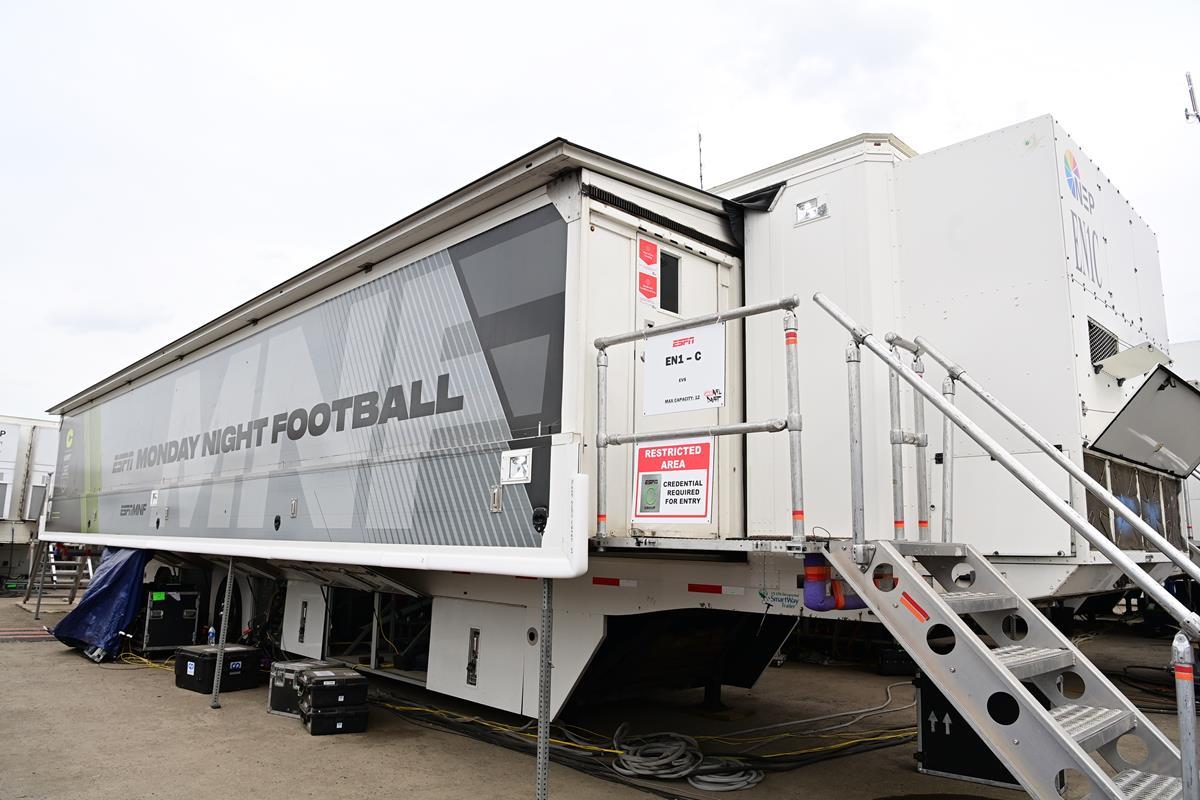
(74, 729)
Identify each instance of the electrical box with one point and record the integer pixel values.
(303, 631)
(477, 651)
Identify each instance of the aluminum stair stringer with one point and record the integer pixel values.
(1027, 626)
(1031, 745)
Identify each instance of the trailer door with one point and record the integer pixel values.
(688, 285)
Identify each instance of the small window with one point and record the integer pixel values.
(1103, 343)
(668, 292)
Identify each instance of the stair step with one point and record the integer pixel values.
(1092, 727)
(1026, 662)
(1138, 785)
(979, 602)
(931, 549)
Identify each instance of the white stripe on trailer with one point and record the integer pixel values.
(625, 582)
(715, 588)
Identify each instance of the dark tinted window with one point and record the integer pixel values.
(669, 289)
(514, 280)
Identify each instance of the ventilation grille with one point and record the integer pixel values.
(1102, 342)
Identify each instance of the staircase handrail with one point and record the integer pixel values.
(1160, 542)
(1188, 620)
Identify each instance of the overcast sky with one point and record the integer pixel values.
(161, 163)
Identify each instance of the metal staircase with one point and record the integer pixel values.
(1006, 673)
(1051, 717)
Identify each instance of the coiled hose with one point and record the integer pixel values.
(671, 756)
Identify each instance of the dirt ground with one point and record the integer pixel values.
(74, 729)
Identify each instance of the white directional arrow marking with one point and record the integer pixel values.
(933, 721)
(946, 722)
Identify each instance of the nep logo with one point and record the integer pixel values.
(1088, 251)
(1072, 168)
(1075, 182)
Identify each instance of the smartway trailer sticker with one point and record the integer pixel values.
(673, 482)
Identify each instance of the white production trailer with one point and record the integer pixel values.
(28, 448)
(414, 420)
(1013, 253)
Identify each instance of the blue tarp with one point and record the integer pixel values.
(112, 600)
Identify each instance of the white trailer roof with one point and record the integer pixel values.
(512, 180)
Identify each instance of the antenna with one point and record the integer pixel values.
(700, 147)
(1194, 114)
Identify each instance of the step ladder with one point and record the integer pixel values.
(54, 578)
(1052, 718)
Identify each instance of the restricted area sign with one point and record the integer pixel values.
(685, 371)
(673, 481)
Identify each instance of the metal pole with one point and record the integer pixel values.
(1123, 511)
(1185, 700)
(544, 667)
(601, 443)
(741, 312)
(897, 437)
(46, 556)
(730, 429)
(35, 547)
(922, 467)
(216, 695)
(795, 423)
(377, 624)
(1187, 619)
(1187, 509)
(858, 524)
(948, 465)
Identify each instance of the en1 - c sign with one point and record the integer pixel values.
(673, 482)
(685, 371)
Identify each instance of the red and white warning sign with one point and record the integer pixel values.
(673, 481)
(647, 272)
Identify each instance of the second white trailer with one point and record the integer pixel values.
(1013, 253)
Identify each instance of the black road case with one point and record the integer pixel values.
(339, 719)
(947, 745)
(331, 687)
(283, 697)
(168, 620)
(195, 666)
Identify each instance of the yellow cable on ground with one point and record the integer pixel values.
(127, 656)
(840, 745)
(498, 726)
